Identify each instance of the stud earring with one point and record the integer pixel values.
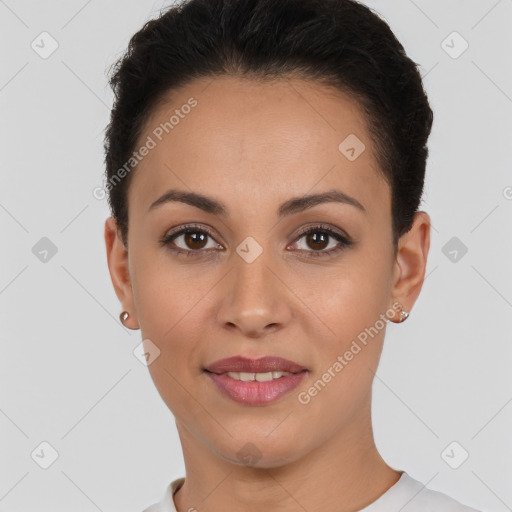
(404, 315)
(124, 316)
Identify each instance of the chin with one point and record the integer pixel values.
(255, 451)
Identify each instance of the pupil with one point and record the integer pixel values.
(192, 239)
(312, 238)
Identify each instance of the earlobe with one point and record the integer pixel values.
(411, 261)
(117, 259)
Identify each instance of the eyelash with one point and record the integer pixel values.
(194, 228)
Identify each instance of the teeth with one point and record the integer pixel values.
(260, 377)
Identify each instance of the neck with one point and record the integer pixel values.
(343, 474)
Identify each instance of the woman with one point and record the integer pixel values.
(265, 162)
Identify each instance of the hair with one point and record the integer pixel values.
(339, 43)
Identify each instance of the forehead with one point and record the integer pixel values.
(244, 138)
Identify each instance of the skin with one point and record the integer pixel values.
(253, 146)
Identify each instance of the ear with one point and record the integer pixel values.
(117, 259)
(411, 261)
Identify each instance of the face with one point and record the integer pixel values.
(248, 279)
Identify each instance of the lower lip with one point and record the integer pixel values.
(254, 392)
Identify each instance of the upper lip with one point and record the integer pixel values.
(264, 364)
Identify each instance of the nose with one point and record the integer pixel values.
(256, 300)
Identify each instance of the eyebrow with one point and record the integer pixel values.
(289, 207)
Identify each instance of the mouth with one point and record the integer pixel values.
(255, 377)
(255, 381)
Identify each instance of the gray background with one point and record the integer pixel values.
(68, 373)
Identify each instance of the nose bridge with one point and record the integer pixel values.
(255, 300)
(252, 284)
(252, 276)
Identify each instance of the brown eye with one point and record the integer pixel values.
(322, 241)
(190, 240)
(195, 240)
(317, 241)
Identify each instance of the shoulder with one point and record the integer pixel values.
(166, 504)
(415, 497)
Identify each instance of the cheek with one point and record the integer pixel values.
(351, 303)
(166, 295)
(349, 347)
(170, 317)
(349, 298)
(171, 304)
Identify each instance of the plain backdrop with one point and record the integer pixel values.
(72, 394)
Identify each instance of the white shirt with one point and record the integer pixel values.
(406, 495)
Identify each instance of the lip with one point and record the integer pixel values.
(254, 392)
(263, 364)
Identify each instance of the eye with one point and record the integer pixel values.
(318, 237)
(190, 240)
